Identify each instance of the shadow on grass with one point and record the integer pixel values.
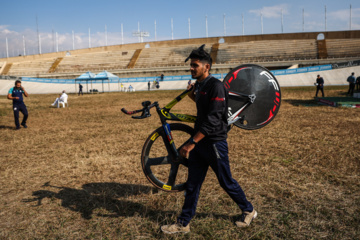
(105, 196)
(6, 127)
(305, 103)
(94, 196)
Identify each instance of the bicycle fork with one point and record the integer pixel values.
(169, 143)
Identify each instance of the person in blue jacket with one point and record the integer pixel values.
(208, 146)
(319, 85)
(16, 95)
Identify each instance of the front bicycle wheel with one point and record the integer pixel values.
(157, 160)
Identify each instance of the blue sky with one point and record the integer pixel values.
(18, 20)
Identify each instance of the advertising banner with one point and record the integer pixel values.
(346, 64)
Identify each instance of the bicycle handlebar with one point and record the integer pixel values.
(145, 111)
(131, 112)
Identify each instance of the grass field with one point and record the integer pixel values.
(75, 173)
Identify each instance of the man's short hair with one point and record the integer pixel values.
(17, 81)
(201, 55)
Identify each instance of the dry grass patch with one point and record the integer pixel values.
(75, 173)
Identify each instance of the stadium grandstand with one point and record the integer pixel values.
(151, 59)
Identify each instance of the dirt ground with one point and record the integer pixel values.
(75, 173)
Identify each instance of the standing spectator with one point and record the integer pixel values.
(149, 86)
(358, 83)
(131, 89)
(157, 83)
(208, 146)
(80, 89)
(162, 77)
(351, 79)
(319, 85)
(16, 94)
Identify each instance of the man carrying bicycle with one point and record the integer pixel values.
(208, 147)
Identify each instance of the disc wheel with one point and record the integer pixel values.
(252, 79)
(158, 163)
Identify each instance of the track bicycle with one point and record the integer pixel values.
(254, 100)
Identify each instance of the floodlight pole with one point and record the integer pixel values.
(24, 45)
(39, 44)
(122, 34)
(155, 30)
(224, 26)
(262, 25)
(350, 17)
(89, 39)
(73, 40)
(139, 32)
(57, 42)
(242, 16)
(7, 48)
(105, 36)
(206, 26)
(37, 29)
(325, 18)
(282, 22)
(189, 28)
(172, 30)
(303, 20)
(53, 39)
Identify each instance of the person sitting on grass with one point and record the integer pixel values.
(61, 99)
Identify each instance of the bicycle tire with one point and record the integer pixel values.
(153, 155)
(253, 79)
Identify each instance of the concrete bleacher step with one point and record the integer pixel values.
(214, 52)
(266, 50)
(55, 65)
(134, 58)
(343, 47)
(7, 68)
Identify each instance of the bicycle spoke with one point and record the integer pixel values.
(157, 161)
(173, 173)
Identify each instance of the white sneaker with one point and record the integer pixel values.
(175, 228)
(246, 218)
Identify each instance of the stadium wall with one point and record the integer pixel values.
(289, 78)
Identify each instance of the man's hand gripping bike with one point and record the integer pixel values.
(254, 100)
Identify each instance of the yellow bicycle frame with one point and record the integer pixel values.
(176, 116)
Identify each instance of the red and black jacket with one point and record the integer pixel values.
(211, 99)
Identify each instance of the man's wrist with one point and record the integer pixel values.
(192, 141)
